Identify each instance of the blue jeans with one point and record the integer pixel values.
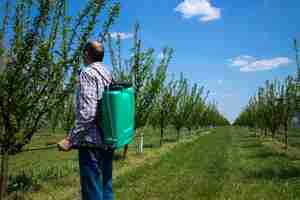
(96, 174)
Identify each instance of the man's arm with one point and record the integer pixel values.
(86, 106)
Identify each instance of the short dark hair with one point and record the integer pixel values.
(95, 51)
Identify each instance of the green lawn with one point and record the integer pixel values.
(228, 163)
(49, 174)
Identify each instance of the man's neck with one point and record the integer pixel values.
(93, 63)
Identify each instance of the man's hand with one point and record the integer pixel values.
(64, 145)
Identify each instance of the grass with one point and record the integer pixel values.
(177, 174)
(50, 173)
(229, 163)
(259, 171)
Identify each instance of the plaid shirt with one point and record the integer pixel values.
(90, 89)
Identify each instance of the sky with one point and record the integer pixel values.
(231, 47)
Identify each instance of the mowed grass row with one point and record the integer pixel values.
(260, 170)
(50, 174)
(228, 164)
(189, 171)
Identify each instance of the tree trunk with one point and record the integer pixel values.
(266, 132)
(161, 135)
(178, 133)
(161, 129)
(125, 151)
(285, 136)
(3, 174)
(53, 130)
(273, 132)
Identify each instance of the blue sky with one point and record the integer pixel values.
(230, 47)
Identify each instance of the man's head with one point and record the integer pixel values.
(93, 52)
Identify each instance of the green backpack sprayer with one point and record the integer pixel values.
(116, 110)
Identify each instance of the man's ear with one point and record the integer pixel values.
(86, 57)
(86, 54)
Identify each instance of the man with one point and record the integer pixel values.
(95, 164)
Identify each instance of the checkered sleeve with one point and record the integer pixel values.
(86, 106)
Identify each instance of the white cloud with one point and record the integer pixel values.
(252, 64)
(199, 8)
(241, 61)
(122, 35)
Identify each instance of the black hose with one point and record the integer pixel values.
(85, 146)
(40, 148)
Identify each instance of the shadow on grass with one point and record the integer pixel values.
(150, 146)
(295, 144)
(264, 154)
(251, 145)
(22, 182)
(248, 138)
(157, 145)
(294, 135)
(275, 172)
(270, 165)
(117, 156)
(252, 135)
(169, 140)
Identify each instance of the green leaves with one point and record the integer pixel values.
(159, 103)
(272, 107)
(147, 77)
(43, 47)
